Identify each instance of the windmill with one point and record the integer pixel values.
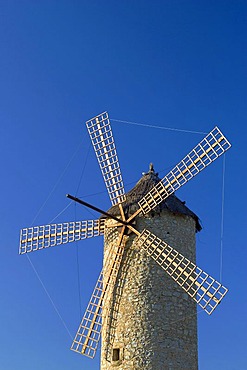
(148, 232)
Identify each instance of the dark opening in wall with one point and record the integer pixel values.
(116, 354)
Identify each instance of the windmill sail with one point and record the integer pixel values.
(100, 132)
(201, 287)
(88, 335)
(208, 150)
(45, 236)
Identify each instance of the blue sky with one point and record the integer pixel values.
(176, 64)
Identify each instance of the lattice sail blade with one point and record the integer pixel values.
(201, 287)
(208, 150)
(100, 132)
(45, 236)
(88, 334)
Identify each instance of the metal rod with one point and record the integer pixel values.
(96, 209)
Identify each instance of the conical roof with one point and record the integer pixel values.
(143, 186)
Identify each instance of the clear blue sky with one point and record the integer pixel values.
(177, 64)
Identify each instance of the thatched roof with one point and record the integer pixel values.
(143, 186)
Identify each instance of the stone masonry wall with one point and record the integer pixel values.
(151, 322)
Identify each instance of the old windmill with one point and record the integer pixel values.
(147, 318)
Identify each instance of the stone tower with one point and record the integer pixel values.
(152, 322)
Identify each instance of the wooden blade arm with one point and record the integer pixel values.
(99, 129)
(45, 236)
(208, 150)
(88, 335)
(201, 287)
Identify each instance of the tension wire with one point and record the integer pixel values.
(159, 127)
(222, 215)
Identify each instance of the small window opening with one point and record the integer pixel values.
(116, 354)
